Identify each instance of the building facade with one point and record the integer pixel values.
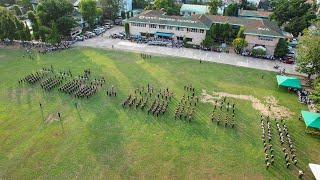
(258, 32)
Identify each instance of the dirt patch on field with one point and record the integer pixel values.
(52, 117)
(269, 107)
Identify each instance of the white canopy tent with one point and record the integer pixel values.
(315, 168)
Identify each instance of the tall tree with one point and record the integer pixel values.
(88, 9)
(231, 10)
(214, 6)
(295, 15)
(127, 29)
(240, 33)
(281, 48)
(308, 51)
(11, 27)
(34, 23)
(58, 12)
(53, 37)
(111, 8)
(139, 4)
(26, 4)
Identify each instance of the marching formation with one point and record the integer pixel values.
(142, 96)
(286, 143)
(266, 139)
(228, 120)
(33, 77)
(79, 87)
(187, 104)
(51, 82)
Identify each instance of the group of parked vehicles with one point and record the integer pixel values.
(95, 32)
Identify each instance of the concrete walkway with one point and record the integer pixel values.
(224, 58)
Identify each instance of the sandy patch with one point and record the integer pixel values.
(269, 107)
(52, 117)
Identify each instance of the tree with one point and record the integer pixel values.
(111, 8)
(26, 4)
(11, 27)
(53, 37)
(34, 23)
(248, 5)
(127, 28)
(88, 9)
(215, 32)
(308, 51)
(231, 10)
(168, 5)
(128, 14)
(16, 9)
(27, 34)
(44, 31)
(214, 6)
(281, 48)
(315, 96)
(295, 15)
(239, 44)
(139, 4)
(123, 14)
(207, 42)
(241, 32)
(226, 32)
(58, 12)
(258, 52)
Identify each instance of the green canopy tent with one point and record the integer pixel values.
(289, 82)
(311, 119)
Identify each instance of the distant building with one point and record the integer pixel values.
(261, 14)
(258, 32)
(192, 9)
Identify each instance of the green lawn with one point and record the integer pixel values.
(104, 141)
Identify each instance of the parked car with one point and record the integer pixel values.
(293, 43)
(99, 30)
(79, 38)
(118, 21)
(89, 34)
(288, 60)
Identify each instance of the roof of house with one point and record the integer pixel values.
(158, 17)
(199, 9)
(254, 14)
(262, 27)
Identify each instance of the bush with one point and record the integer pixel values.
(258, 52)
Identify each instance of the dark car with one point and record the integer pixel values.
(288, 60)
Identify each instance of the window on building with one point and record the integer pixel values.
(152, 25)
(162, 26)
(179, 38)
(201, 31)
(264, 38)
(189, 39)
(179, 28)
(192, 30)
(170, 27)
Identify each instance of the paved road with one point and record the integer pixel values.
(224, 58)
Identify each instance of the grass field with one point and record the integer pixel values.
(104, 141)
